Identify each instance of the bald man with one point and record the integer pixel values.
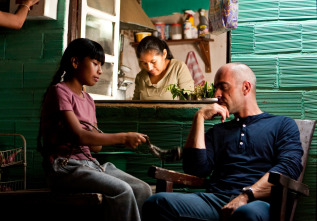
(237, 155)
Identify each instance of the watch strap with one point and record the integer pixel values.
(248, 190)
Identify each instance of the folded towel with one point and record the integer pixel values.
(194, 69)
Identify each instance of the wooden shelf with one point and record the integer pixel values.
(202, 43)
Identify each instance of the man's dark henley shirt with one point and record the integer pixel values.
(239, 152)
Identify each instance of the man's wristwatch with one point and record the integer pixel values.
(248, 190)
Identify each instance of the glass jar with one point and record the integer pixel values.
(176, 31)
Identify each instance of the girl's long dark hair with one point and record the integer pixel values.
(78, 48)
(150, 43)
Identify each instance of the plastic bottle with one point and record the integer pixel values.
(187, 28)
(203, 31)
(190, 31)
(191, 19)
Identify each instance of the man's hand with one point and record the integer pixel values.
(196, 136)
(234, 204)
(212, 110)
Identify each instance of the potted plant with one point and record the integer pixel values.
(178, 92)
(205, 91)
(200, 92)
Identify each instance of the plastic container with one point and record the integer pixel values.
(140, 35)
(187, 30)
(203, 31)
(160, 27)
(176, 31)
(167, 32)
(190, 30)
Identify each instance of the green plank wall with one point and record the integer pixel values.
(278, 40)
(154, 8)
(28, 60)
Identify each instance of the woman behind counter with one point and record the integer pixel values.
(159, 70)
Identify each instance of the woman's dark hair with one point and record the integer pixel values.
(150, 43)
(79, 48)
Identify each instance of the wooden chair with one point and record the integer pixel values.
(285, 191)
(43, 204)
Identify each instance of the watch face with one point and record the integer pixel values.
(247, 189)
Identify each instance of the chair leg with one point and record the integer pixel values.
(164, 186)
(279, 207)
(276, 203)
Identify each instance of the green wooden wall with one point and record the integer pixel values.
(28, 60)
(166, 127)
(278, 40)
(154, 8)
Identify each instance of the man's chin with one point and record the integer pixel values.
(223, 104)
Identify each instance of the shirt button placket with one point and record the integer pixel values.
(242, 137)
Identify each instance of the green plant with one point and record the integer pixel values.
(177, 92)
(205, 91)
(200, 92)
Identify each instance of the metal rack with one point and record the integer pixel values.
(11, 156)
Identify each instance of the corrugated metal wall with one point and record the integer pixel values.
(278, 40)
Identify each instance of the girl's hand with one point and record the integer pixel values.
(133, 139)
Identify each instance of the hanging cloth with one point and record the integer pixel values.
(192, 64)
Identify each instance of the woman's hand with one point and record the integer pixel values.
(16, 20)
(212, 110)
(134, 139)
(29, 2)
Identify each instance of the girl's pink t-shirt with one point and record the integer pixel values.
(55, 135)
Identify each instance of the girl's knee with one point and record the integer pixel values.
(122, 188)
(144, 189)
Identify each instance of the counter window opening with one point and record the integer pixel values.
(100, 21)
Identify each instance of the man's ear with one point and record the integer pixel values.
(74, 61)
(246, 87)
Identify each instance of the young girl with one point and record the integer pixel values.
(68, 134)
